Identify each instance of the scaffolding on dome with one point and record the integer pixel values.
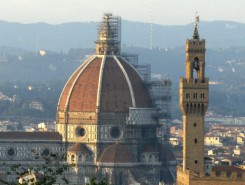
(144, 70)
(160, 91)
(109, 36)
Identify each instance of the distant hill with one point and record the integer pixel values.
(225, 56)
(225, 67)
(62, 37)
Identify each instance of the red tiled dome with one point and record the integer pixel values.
(117, 153)
(165, 153)
(80, 148)
(106, 83)
(149, 148)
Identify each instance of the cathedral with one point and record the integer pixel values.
(106, 123)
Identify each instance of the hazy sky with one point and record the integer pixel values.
(167, 12)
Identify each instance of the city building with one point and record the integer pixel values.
(194, 98)
(36, 105)
(213, 141)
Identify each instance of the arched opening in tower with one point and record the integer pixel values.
(195, 67)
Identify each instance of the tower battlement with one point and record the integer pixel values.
(198, 82)
(195, 43)
(185, 175)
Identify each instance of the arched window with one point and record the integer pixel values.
(196, 64)
(150, 158)
(202, 108)
(198, 109)
(87, 158)
(72, 157)
(195, 108)
(191, 107)
(80, 157)
(187, 107)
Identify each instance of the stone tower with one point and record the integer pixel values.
(194, 102)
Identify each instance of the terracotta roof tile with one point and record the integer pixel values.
(149, 148)
(228, 170)
(37, 136)
(79, 148)
(65, 92)
(80, 92)
(84, 93)
(115, 94)
(166, 153)
(141, 93)
(117, 153)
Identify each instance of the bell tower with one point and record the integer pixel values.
(194, 102)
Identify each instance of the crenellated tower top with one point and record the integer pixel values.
(195, 55)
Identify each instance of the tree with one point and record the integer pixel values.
(93, 181)
(46, 173)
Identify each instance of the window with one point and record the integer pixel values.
(87, 158)
(79, 157)
(196, 64)
(150, 158)
(202, 95)
(195, 96)
(11, 152)
(187, 107)
(72, 157)
(195, 124)
(115, 132)
(195, 161)
(195, 140)
(187, 95)
(46, 152)
(80, 132)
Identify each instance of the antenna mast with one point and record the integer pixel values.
(151, 24)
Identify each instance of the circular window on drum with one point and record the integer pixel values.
(11, 152)
(46, 152)
(80, 132)
(116, 132)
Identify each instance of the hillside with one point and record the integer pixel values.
(62, 37)
(225, 56)
(225, 68)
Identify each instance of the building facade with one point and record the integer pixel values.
(194, 97)
(106, 123)
(106, 109)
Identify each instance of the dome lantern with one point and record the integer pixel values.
(109, 36)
